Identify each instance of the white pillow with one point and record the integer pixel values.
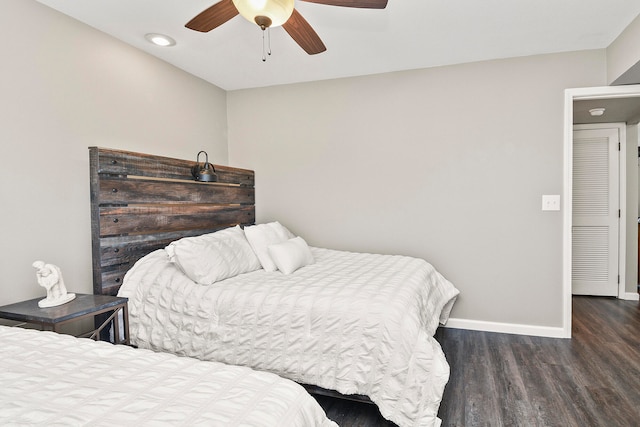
(291, 255)
(215, 256)
(261, 236)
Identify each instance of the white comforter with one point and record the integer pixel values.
(48, 379)
(352, 322)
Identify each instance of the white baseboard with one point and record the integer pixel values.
(631, 296)
(507, 328)
(513, 328)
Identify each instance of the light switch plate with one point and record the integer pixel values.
(550, 202)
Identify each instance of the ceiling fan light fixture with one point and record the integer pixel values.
(278, 11)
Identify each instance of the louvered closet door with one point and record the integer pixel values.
(595, 212)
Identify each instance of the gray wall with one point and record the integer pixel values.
(65, 87)
(623, 56)
(448, 164)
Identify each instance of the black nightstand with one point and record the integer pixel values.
(81, 307)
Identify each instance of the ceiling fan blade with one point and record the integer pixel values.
(300, 31)
(365, 4)
(213, 16)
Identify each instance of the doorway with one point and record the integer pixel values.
(610, 93)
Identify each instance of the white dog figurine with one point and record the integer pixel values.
(50, 277)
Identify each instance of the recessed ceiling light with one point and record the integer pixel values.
(596, 111)
(160, 39)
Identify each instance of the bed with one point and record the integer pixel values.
(52, 379)
(359, 324)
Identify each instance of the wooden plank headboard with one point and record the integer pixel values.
(141, 202)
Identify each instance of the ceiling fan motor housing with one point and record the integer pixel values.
(263, 21)
(276, 12)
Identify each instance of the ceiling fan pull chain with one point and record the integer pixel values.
(268, 49)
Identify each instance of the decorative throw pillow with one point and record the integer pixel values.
(291, 255)
(261, 236)
(215, 256)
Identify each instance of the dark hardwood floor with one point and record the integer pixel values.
(496, 380)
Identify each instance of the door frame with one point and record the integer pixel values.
(571, 95)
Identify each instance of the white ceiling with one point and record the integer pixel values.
(408, 34)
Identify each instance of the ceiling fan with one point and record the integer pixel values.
(273, 13)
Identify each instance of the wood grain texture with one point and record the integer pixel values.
(303, 34)
(83, 304)
(507, 380)
(213, 16)
(154, 218)
(128, 163)
(118, 191)
(142, 202)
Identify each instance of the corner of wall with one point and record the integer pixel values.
(623, 56)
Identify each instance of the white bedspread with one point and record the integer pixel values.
(48, 379)
(352, 322)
